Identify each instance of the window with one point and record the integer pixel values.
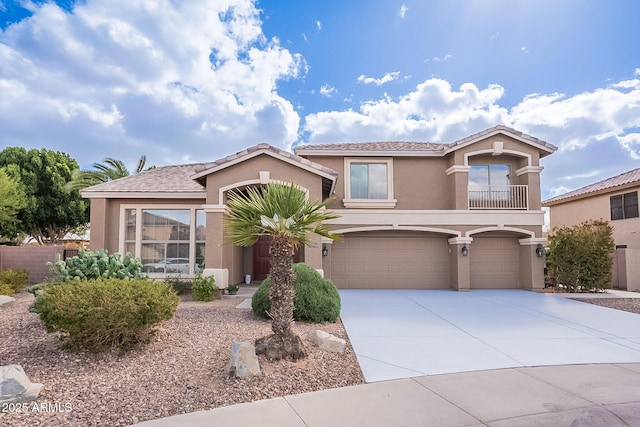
(369, 183)
(624, 206)
(166, 240)
(489, 175)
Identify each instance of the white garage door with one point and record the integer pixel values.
(390, 261)
(494, 263)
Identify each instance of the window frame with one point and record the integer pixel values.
(139, 208)
(624, 209)
(349, 202)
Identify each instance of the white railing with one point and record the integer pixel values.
(498, 197)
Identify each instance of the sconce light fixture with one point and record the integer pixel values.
(325, 251)
(465, 250)
(540, 250)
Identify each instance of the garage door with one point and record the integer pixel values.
(390, 261)
(494, 263)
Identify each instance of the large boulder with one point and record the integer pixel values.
(244, 362)
(5, 299)
(15, 387)
(327, 342)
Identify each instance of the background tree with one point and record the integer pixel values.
(283, 213)
(580, 257)
(12, 200)
(109, 170)
(50, 212)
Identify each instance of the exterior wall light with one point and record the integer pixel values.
(465, 250)
(540, 250)
(325, 251)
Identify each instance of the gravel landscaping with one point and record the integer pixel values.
(184, 370)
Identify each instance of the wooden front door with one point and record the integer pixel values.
(261, 258)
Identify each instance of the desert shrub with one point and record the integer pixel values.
(13, 281)
(95, 265)
(317, 299)
(6, 289)
(579, 257)
(102, 314)
(178, 284)
(204, 288)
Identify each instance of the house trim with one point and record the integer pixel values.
(437, 217)
(143, 195)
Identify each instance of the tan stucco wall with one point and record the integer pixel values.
(625, 231)
(238, 260)
(250, 170)
(422, 182)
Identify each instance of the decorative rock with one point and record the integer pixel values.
(4, 299)
(244, 362)
(15, 387)
(326, 341)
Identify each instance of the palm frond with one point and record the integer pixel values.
(277, 210)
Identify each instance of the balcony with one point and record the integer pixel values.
(498, 197)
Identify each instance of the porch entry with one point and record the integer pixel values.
(261, 258)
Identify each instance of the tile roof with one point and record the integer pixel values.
(630, 177)
(164, 179)
(400, 146)
(376, 146)
(506, 129)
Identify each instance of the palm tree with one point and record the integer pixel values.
(283, 213)
(109, 170)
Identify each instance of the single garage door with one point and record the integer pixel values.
(494, 263)
(408, 261)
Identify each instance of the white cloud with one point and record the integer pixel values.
(595, 131)
(328, 91)
(389, 77)
(442, 58)
(402, 12)
(198, 74)
(319, 25)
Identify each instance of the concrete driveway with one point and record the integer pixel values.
(409, 333)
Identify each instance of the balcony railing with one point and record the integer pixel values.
(498, 197)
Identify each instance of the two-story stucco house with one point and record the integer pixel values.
(613, 199)
(462, 215)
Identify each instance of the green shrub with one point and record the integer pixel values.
(317, 299)
(204, 288)
(102, 314)
(579, 257)
(97, 265)
(178, 284)
(13, 281)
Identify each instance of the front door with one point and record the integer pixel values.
(261, 258)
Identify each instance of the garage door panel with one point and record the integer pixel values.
(409, 262)
(494, 263)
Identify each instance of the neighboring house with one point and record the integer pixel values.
(616, 200)
(412, 215)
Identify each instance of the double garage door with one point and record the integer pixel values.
(410, 261)
(419, 261)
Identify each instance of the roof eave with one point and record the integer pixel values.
(143, 194)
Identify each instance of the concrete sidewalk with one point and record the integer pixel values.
(575, 395)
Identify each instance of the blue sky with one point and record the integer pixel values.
(197, 80)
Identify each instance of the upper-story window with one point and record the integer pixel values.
(624, 206)
(485, 175)
(369, 183)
